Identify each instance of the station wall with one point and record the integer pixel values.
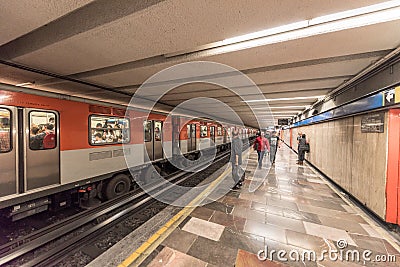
(356, 161)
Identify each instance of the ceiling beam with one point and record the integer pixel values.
(81, 20)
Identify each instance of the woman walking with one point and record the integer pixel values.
(261, 145)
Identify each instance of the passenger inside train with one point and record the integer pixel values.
(4, 130)
(111, 130)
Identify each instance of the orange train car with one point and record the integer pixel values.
(54, 151)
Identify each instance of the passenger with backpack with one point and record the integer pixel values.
(304, 147)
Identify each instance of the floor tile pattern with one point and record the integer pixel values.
(293, 209)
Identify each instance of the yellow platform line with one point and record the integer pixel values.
(140, 255)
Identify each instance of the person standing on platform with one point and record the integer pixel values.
(302, 149)
(261, 144)
(268, 136)
(274, 145)
(299, 134)
(236, 158)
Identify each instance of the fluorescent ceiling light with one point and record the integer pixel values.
(283, 99)
(264, 33)
(355, 12)
(24, 84)
(312, 30)
(282, 112)
(354, 18)
(275, 112)
(282, 107)
(282, 116)
(288, 107)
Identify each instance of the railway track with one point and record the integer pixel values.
(68, 235)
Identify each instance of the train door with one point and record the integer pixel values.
(212, 136)
(189, 137)
(158, 149)
(8, 151)
(41, 147)
(224, 133)
(175, 135)
(153, 139)
(148, 140)
(191, 130)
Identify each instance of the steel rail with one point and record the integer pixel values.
(39, 238)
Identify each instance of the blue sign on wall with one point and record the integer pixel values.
(364, 104)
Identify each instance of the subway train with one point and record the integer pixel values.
(57, 152)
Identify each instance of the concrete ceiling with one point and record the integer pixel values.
(108, 49)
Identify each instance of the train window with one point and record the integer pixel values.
(147, 131)
(42, 127)
(157, 130)
(5, 130)
(219, 131)
(106, 130)
(203, 131)
(188, 131)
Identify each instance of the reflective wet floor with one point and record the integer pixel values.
(295, 217)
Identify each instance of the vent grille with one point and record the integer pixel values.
(120, 152)
(100, 155)
(108, 154)
(119, 112)
(99, 109)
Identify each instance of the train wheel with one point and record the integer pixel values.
(119, 185)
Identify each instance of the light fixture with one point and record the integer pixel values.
(355, 12)
(283, 99)
(25, 84)
(349, 19)
(288, 107)
(282, 107)
(281, 116)
(354, 18)
(264, 33)
(283, 111)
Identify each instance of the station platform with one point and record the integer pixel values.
(295, 209)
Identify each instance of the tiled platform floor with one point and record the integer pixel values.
(293, 209)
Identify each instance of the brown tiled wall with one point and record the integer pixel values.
(356, 161)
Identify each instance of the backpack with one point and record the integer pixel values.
(307, 148)
(49, 141)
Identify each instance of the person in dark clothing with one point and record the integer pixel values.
(261, 145)
(302, 149)
(236, 158)
(36, 138)
(49, 128)
(299, 134)
(274, 145)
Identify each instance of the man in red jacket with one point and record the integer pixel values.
(261, 145)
